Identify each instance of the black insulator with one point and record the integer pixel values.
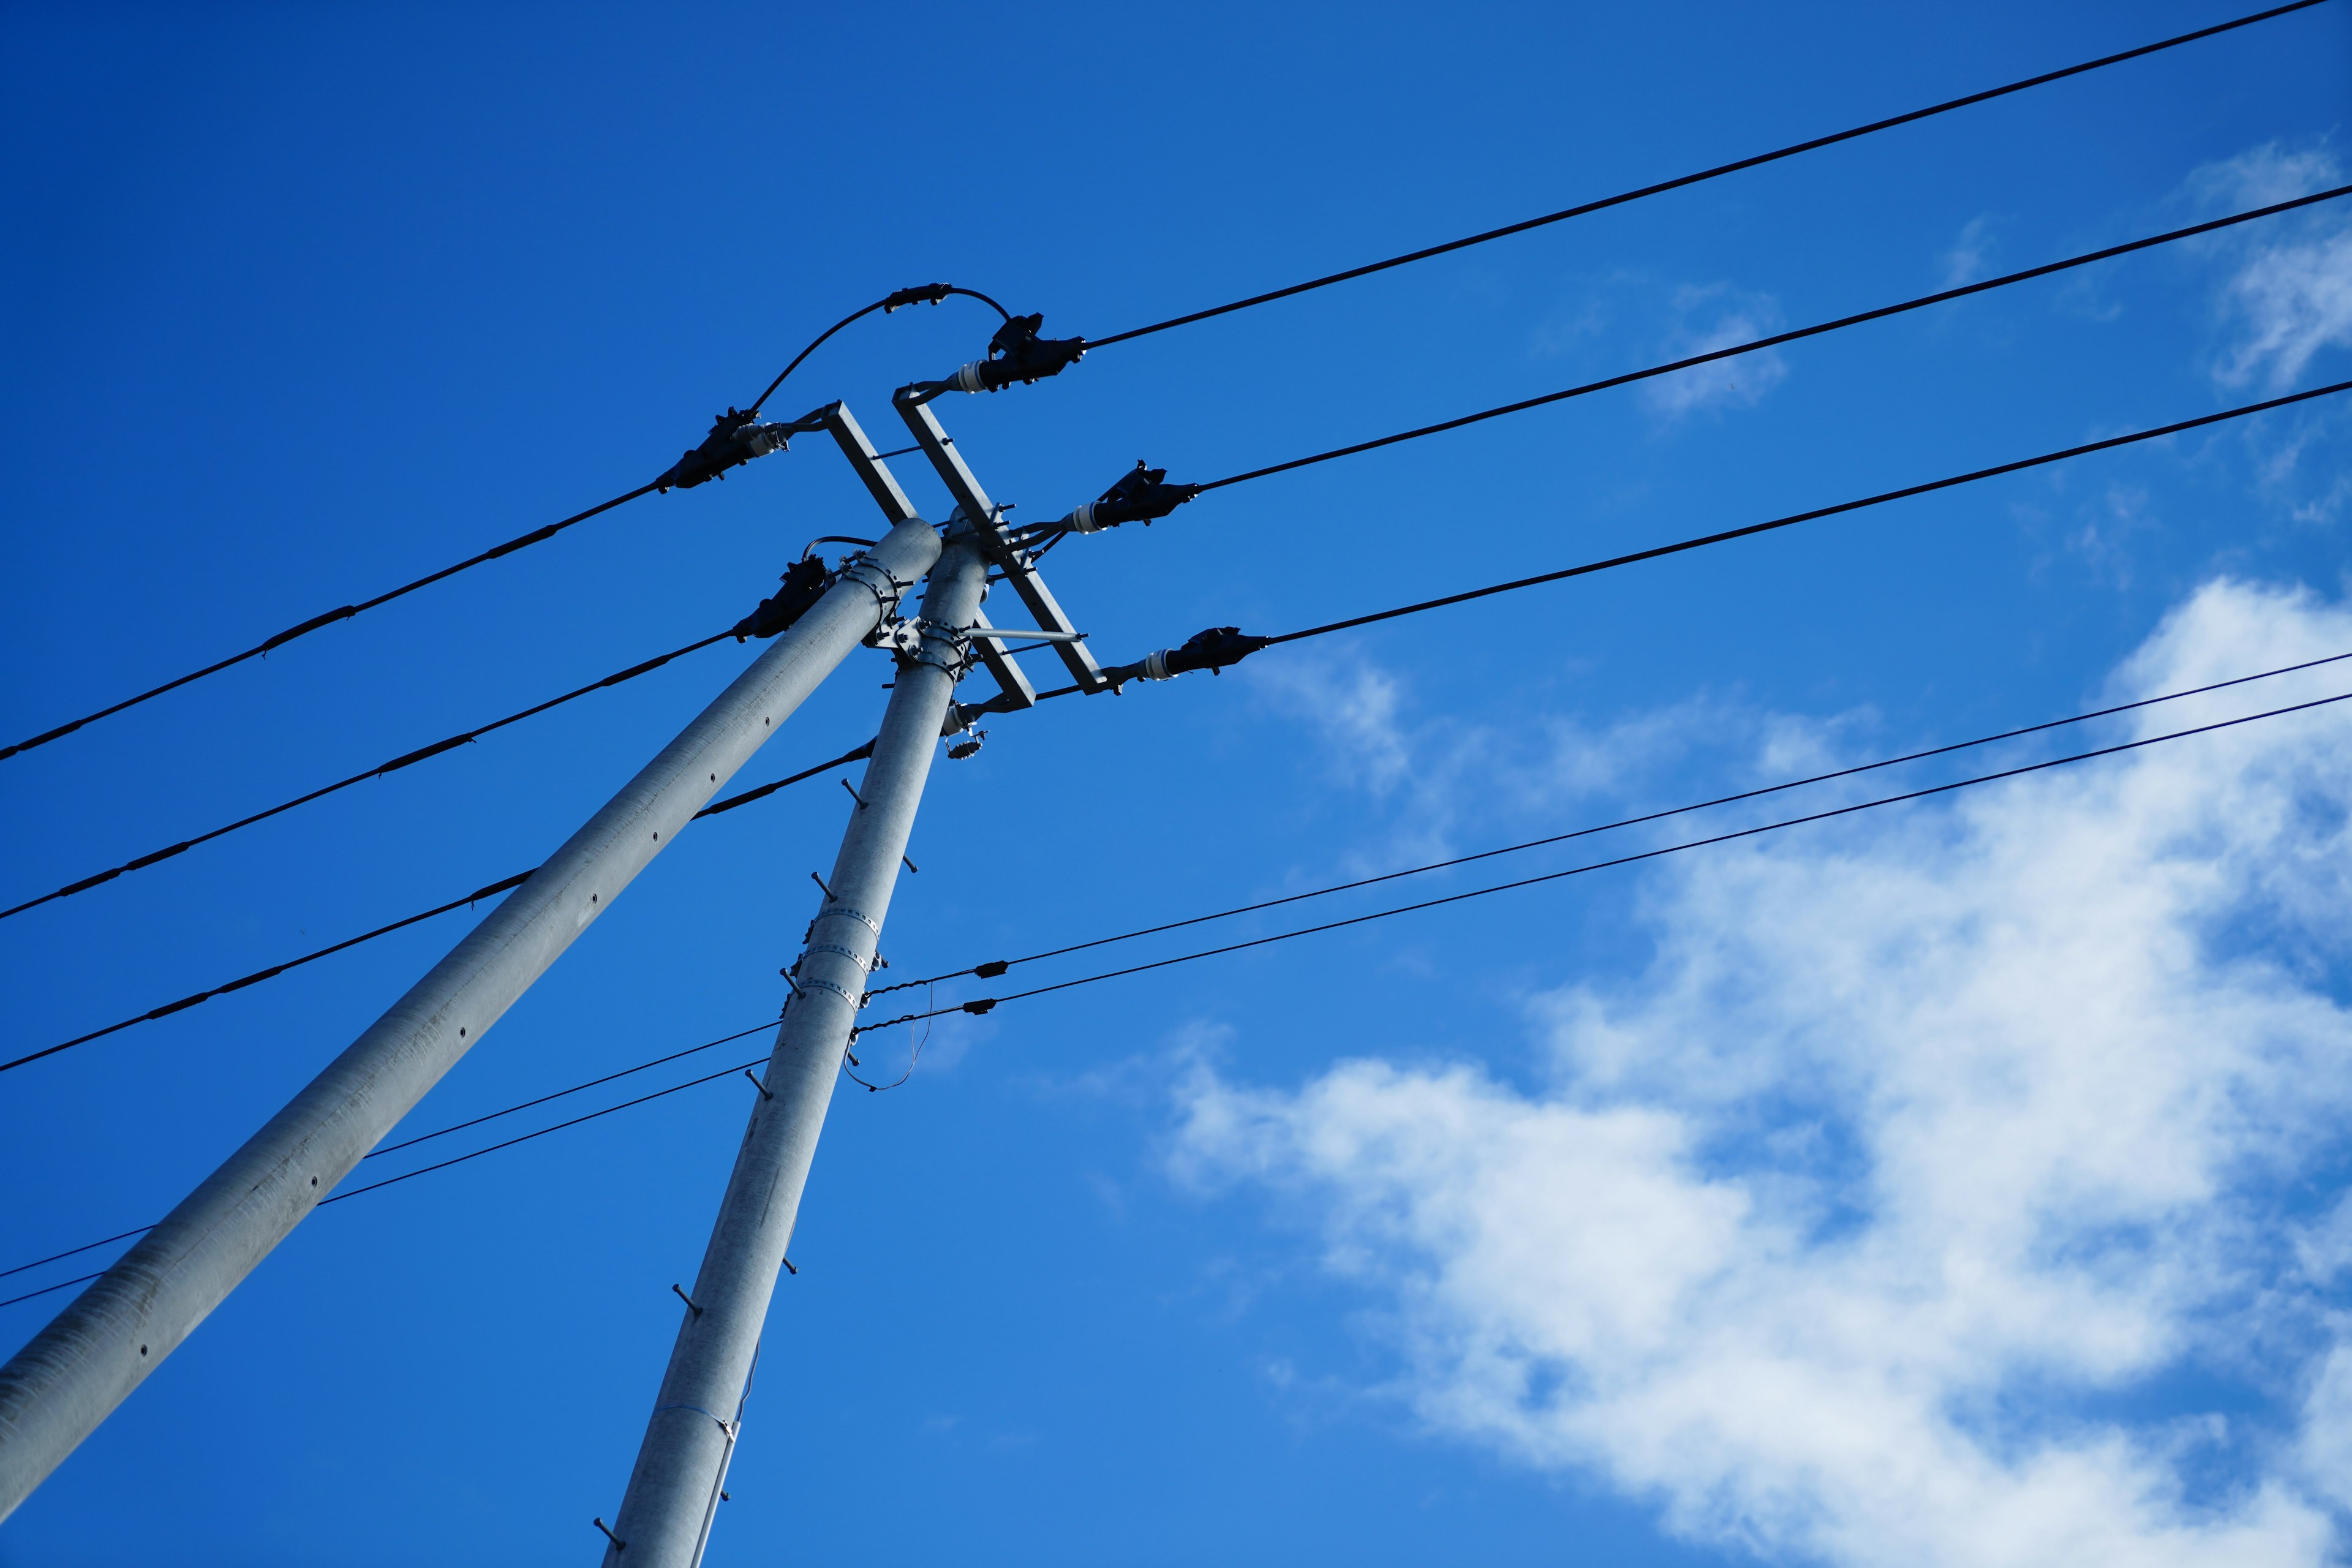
(1017, 353)
(804, 584)
(735, 438)
(1211, 649)
(1142, 495)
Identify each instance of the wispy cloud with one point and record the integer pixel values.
(1719, 316)
(1855, 1228)
(1966, 261)
(2289, 295)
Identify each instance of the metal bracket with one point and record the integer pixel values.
(986, 519)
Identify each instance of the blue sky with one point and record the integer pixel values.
(1942, 1185)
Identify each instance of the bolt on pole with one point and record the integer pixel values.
(56, 1390)
(674, 1490)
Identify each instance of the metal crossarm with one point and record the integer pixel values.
(988, 522)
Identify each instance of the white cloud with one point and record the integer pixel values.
(1926, 1145)
(1965, 262)
(1718, 317)
(2289, 296)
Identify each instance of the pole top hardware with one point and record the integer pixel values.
(921, 294)
(803, 584)
(1142, 495)
(1015, 353)
(1211, 650)
(736, 438)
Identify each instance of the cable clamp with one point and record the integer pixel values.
(833, 947)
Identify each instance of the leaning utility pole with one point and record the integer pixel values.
(58, 1388)
(675, 1489)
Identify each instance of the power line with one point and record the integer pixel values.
(395, 765)
(341, 613)
(445, 1164)
(933, 292)
(763, 791)
(987, 1004)
(1703, 175)
(501, 886)
(1794, 518)
(1000, 966)
(1939, 296)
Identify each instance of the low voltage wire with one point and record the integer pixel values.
(1758, 794)
(1940, 297)
(867, 749)
(1582, 209)
(407, 760)
(989, 1003)
(345, 611)
(1717, 172)
(986, 1004)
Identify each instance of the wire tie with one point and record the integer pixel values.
(758, 1085)
(687, 1300)
(618, 1544)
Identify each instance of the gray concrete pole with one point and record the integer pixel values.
(666, 1514)
(58, 1388)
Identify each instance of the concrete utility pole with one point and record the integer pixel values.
(674, 1491)
(58, 1388)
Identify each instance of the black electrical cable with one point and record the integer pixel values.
(536, 536)
(762, 792)
(344, 613)
(272, 973)
(987, 1004)
(885, 304)
(1924, 301)
(1881, 499)
(1000, 966)
(1339, 887)
(1794, 518)
(498, 887)
(445, 1164)
(1703, 175)
(406, 760)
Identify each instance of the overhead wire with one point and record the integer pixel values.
(1701, 176)
(1775, 340)
(409, 759)
(999, 966)
(491, 890)
(985, 1004)
(536, 536)
(341, 613)
(443, 1164)
(884, 305)
(989, 1003)
(762, 792)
